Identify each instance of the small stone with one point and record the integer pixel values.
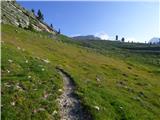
(26, 61)
(29, 76)
(18, 48)
(97, 108)
(60, 90)
(41, 109)
(54, 112)
(10, 61)
(13, 103)
(98, 80)
(34, 111)
(8, 71)
(18, 87)
(45, 95)
(46, 61)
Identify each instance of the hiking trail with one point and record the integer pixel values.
(70, 106)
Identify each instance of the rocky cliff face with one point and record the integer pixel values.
(13, 13)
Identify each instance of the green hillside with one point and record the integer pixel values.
(121, 79)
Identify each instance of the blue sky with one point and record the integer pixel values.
(136, 21)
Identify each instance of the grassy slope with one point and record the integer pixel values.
(121, 88)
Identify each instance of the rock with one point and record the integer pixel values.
(46, 61)
(18, 48)
(98, 80)
(18, 87)
(8, 71)
(29, 76)
(13, 103)
(10, 61)
(34, 111)
(43, 69)
(60, 90)
(26, 61)
(41, 109)
(35, 89)
(54, 112)
(97, 108)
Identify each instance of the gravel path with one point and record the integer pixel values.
(70, 107)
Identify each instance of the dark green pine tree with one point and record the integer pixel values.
(51, 26)
(123, 39)
(40, 15)
(33, 11)
(116, 37)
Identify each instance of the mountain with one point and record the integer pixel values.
(155, 40)
(87, 37)
(14, 14)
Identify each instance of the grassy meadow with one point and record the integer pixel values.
(121, 79)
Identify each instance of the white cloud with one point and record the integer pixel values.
(102, 35)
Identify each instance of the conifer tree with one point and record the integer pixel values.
(40, 15)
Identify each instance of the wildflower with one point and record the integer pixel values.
(43, 69)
